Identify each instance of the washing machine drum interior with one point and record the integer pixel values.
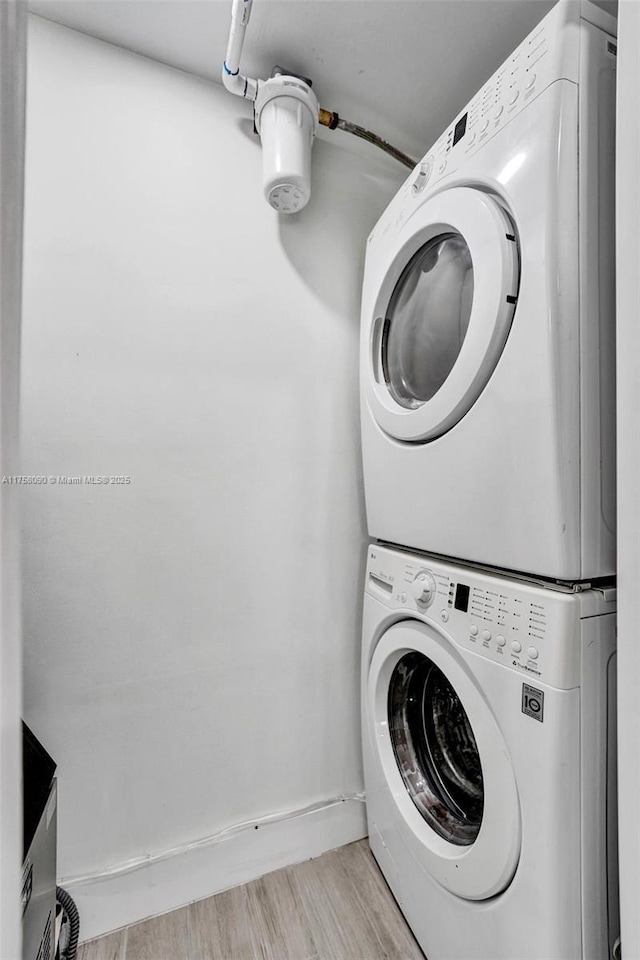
(435, 749)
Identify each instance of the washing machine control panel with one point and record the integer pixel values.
(423, 588)
(550, 53)
(524, 627)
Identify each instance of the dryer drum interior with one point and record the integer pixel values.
(427, 319)
(435, 749)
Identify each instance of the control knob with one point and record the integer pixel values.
(421, 178)
(423, 587)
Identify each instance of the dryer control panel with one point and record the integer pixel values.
(528, 628)
(551, 52)
(546, 55)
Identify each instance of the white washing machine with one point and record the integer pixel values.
(488, 717)
(487, 348)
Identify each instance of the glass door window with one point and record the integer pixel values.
(435, 749)
(427, 320)
(437, 309)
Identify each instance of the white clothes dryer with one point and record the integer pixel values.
(488, 313)
(488, 718)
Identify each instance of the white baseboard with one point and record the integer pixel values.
(147, 888)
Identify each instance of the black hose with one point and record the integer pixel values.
(330, 119)
(377, 141)
(71, 911)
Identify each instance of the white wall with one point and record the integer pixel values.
(191, 638)
(628, 386)
(12, 93)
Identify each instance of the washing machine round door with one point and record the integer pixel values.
(444, 761)
(442, 314)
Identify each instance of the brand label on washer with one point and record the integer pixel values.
(533, 702)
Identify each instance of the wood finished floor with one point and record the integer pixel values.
(337, 907)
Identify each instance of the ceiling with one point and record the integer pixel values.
(402, 68)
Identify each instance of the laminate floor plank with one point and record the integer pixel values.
(111, 947)
(339, 929)
(162, 938)
(377, 902)
(283, 929)
(337, 907)
(222, 928)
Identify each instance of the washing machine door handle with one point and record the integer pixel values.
(435, 325)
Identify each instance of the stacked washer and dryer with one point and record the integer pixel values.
(487, 377)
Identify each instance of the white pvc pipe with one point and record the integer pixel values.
(233, 80)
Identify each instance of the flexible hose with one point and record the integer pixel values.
(331, 119)
(71, 911)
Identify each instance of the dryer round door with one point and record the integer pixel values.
(442, 314)
(444, 761)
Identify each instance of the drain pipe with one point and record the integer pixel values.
(233, 80)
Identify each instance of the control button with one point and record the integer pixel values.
(516, 646)
(514, 96)
(421, 178)
(423, 587)
(498, 111)
(530, 81)
(472, 138)
(533, 653)
(442, 167)
(473, 631)
(483, 125)
(501, 640)
(403, 598)
(486, 634)
(444, 615)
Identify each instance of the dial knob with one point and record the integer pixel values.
(423, 587)
(421, 178)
